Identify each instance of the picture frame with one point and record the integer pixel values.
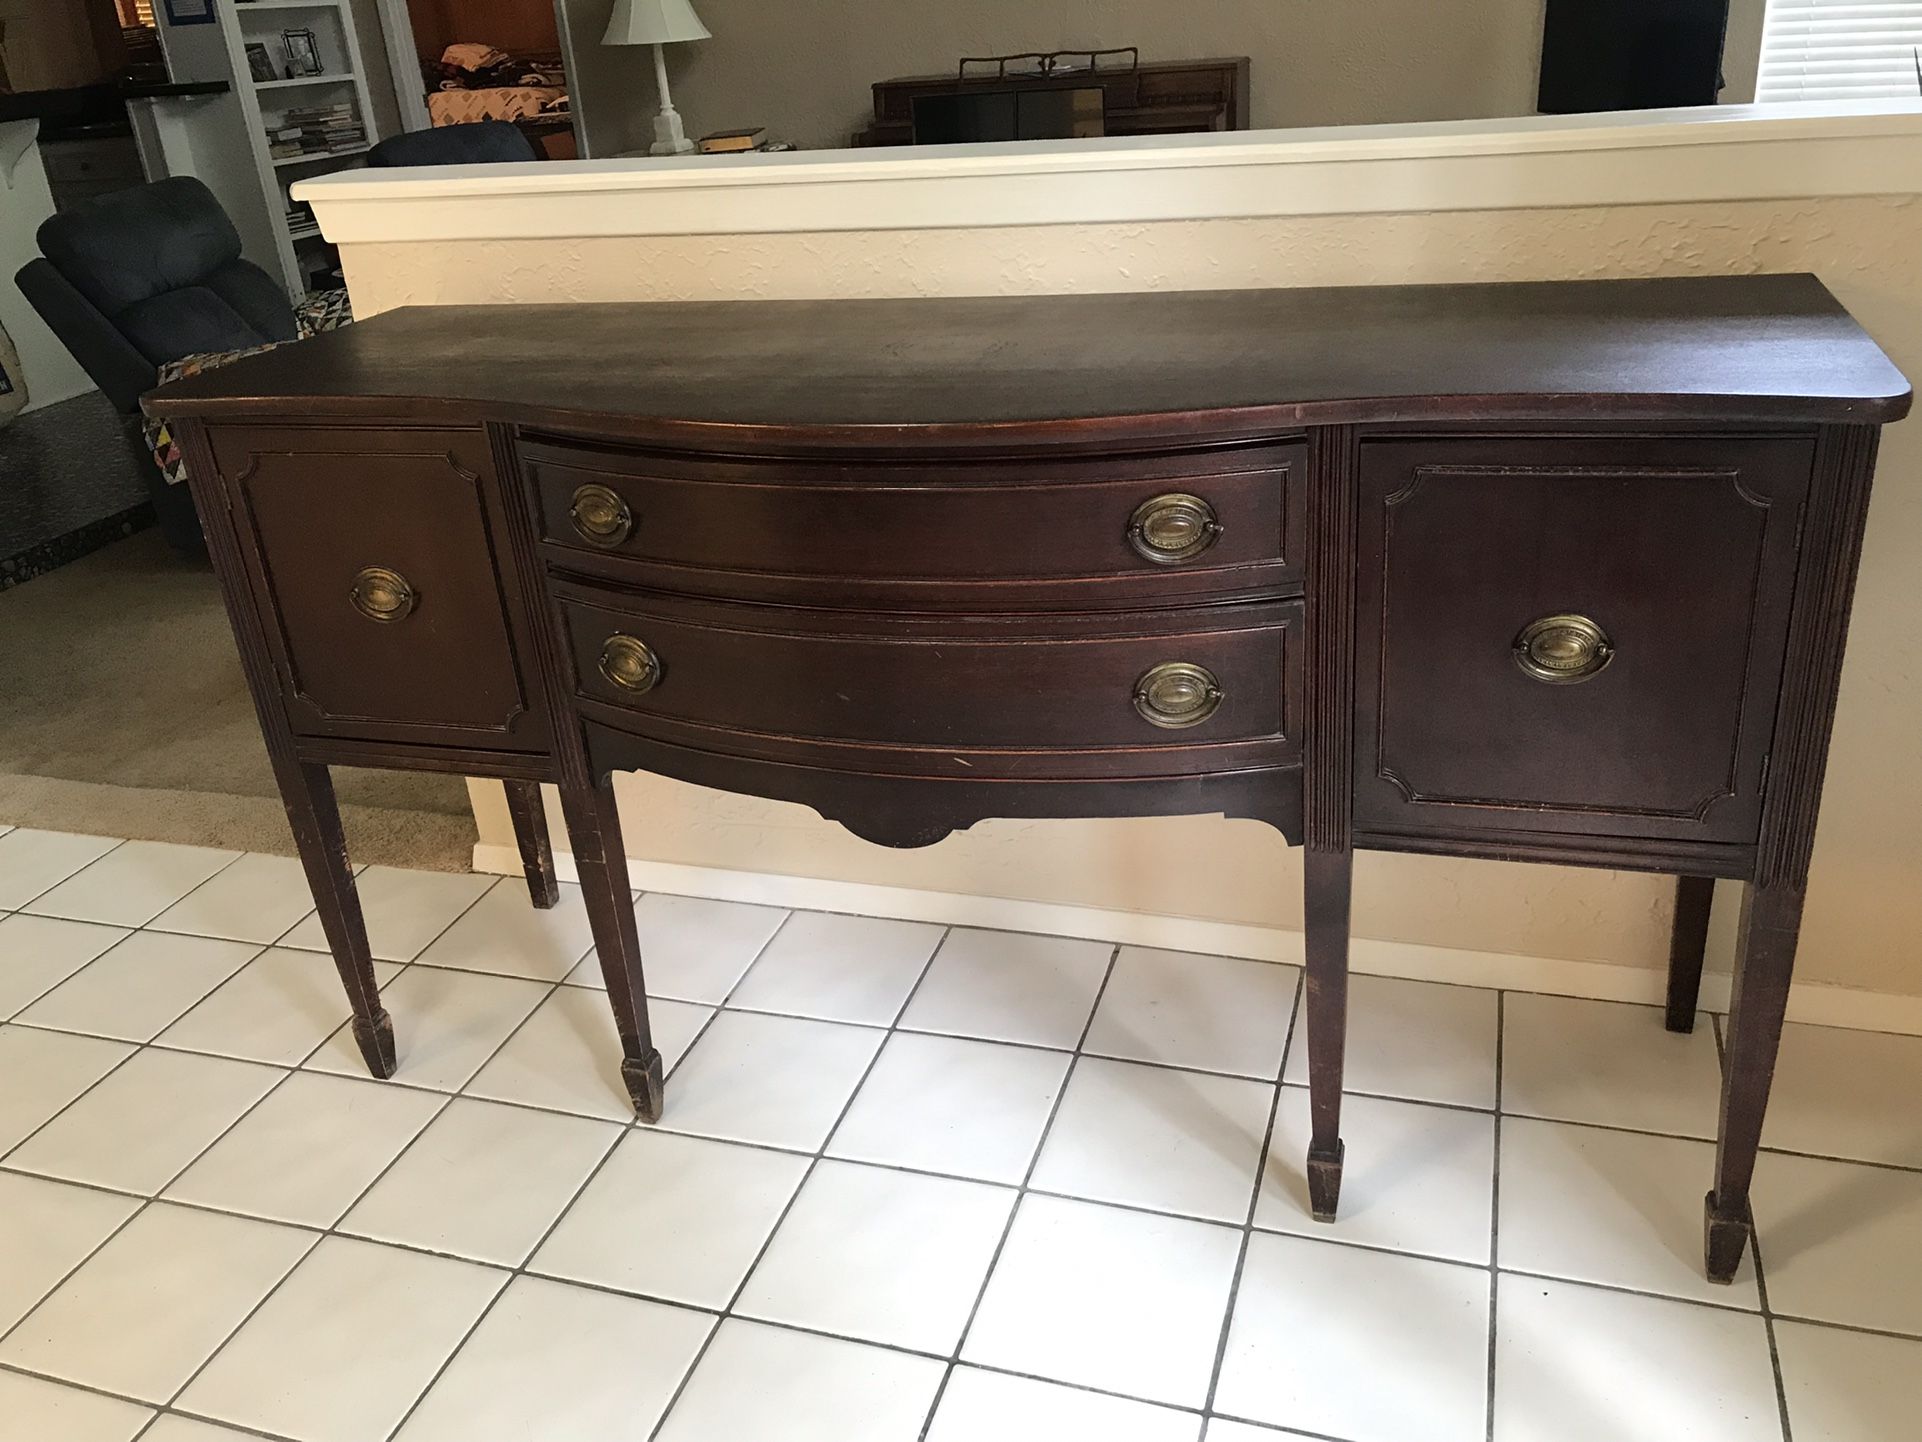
(260, 64)
(303, 51)
(190, 12)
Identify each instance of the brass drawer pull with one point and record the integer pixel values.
(600, 516)
(383, 595)
(630, 663)
(1563, 649)
(1173, 528)
(1177, 694)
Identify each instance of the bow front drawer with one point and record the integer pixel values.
(1149, 527)
(991, 695)
(377, 560)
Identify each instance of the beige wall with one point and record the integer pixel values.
(1864, 924)
(804, 71)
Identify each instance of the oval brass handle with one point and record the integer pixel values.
(630, 663)
(1176, 694)
(1173, 528)
(383, 595)
(1563, 649)
(601, 516)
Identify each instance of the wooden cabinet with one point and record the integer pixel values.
(1549, 572)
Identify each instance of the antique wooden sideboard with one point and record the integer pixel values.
(1546, 572)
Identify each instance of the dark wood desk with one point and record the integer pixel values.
(1156, 97)
(1553, 572)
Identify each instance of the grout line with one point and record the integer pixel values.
(681, 1302)
(13, 1018)
(320, 1234)
(20, 1017)
(204, 881)
(621, 1132)
(1269, 1427)
(164, 909)
(67, 1276)
(1761, 1278)
(401, 968)
(247, 1317)
(334, 1232)
(40, 894)
(306, 1064)
(1021, 1194)
(1254, 1198)
(1023, 1191)
(814, 1161)
(1768, 1326)
(1495, 1218)
(159, 1410)
(132, 1052)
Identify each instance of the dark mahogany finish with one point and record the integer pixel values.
(312, 507)
(911, 532)
(1681, 548)
(1549, 572)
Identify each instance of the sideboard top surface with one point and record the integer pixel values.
(1773, 348)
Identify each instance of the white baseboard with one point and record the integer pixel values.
(1808, 1002)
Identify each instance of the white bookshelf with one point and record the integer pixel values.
(219, 52)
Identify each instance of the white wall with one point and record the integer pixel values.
(51, 374)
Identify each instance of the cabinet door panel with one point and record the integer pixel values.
(432, 652)
(1650, 713)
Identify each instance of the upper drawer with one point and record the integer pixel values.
(378, 558)
(1573, 634)
(978, 535)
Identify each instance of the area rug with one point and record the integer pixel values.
(123, 711)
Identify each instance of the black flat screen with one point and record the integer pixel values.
(1631, 54)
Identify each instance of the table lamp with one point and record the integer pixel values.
(658, 23)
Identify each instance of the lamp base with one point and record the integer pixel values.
(669, 138)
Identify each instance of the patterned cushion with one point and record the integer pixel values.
(322, 310)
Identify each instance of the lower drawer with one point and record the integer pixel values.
(1133, 682)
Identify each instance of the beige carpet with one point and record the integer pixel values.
(123, 712)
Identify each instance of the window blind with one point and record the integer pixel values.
(1840, 50)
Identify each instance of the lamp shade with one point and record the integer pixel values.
(652, 22)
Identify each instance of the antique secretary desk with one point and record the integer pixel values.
(1547, 572)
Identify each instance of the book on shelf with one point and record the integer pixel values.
(726, 142)
(316, 130)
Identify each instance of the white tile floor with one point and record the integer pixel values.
(913, 1185)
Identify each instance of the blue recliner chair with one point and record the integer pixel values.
(478, 142)
(144, 276)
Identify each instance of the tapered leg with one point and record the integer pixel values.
(308, 793)
(530, 834)
(594, 827)
(1328, 875)
(1765, 955)
(1693, 896)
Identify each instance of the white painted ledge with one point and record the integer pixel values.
(1647, 157)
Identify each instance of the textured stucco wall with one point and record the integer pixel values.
(1864, 922)
(805, 71)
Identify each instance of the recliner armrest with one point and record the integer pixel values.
(107, 356)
